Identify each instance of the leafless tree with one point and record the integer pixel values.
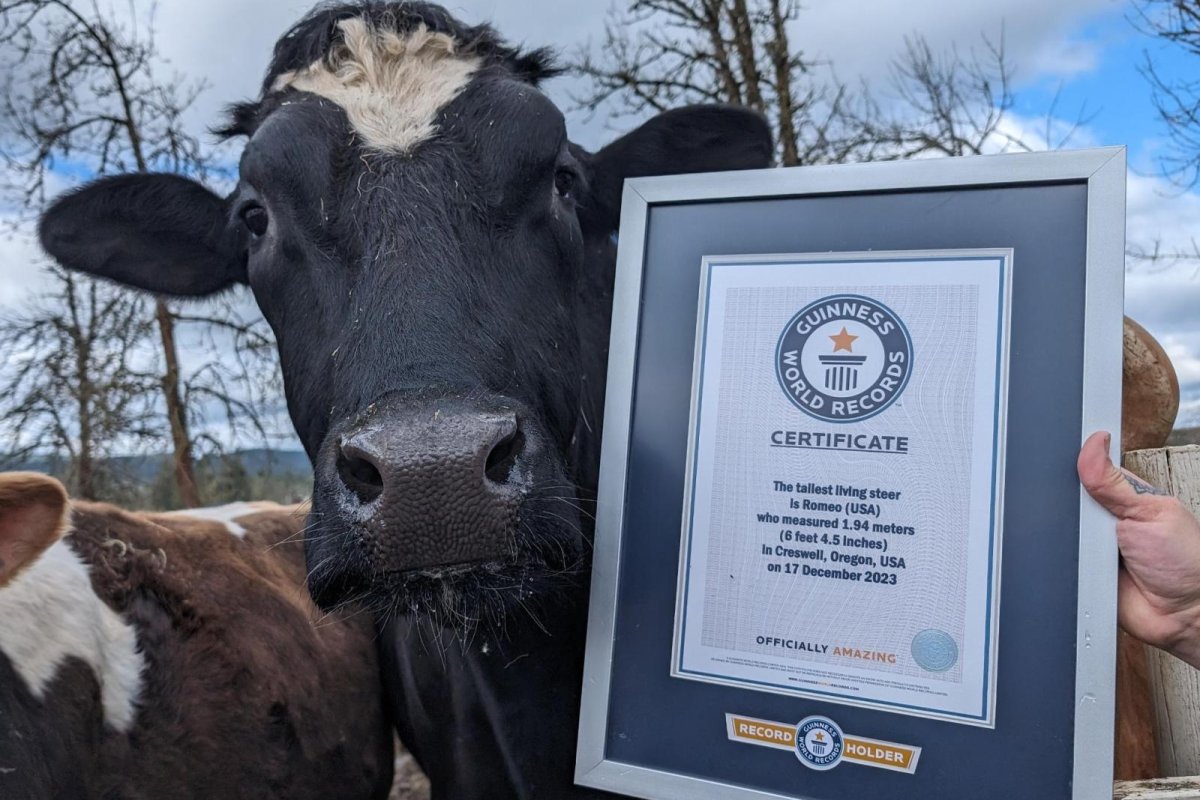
(83, 96)
(82, 92)
(1177, 98)
(73, 388)
(1162, 256)
(236, 377)
(943, 104)
(660, 53)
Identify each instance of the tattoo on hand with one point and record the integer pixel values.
(1141, 487)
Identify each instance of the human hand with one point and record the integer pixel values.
(1159, 540)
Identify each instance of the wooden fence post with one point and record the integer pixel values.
(1163, 789)
(1175, 686)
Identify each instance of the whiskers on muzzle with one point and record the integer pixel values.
(547, 560)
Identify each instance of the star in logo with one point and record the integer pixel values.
(818, 736)
(843, 341)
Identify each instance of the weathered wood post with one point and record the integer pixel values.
(1174, 685)
(1158, 696)
(1163, 789)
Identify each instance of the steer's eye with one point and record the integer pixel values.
(564, 182)
(255, 219)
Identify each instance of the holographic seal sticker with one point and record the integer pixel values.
(934, 650)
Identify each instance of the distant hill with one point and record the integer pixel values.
(147, 481)
(142, 468)
(147, 467)
(263, 460)
(1182, 436)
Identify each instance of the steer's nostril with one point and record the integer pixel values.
(360, 476)
(500, 461)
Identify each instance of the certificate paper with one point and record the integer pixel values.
(841, 533)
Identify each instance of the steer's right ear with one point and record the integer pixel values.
(33, 514)
(705, 138)
(161, 233)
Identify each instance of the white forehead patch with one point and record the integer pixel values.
(50, 612)
(390, 85)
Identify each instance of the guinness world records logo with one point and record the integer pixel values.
(820, 743)
(844, 358)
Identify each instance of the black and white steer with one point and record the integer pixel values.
(435, 258)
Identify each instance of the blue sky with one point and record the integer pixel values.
(1113, 95)
(1118, 103)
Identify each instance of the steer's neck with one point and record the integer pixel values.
(491, 718)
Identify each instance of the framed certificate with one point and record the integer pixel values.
(841, 550)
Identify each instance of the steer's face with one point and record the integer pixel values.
(413, 237)
(434, 257)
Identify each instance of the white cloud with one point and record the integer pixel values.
(1183, 358)
(1158, 210)
(20, 272)
(1165, 297)
(228, 43)
(1016, 133)
(1189, 412)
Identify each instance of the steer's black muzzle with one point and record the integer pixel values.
(456, 506)
(428, 484)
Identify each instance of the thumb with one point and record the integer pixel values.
(1125, 495)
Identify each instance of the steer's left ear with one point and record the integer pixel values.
(33, 514)
(162, 233)
(690, 139)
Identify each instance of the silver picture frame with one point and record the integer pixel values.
(1103, 172)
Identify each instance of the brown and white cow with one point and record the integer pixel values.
(175, 655)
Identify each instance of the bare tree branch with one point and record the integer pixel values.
(69, 385)
(943, 104)
(1176, 99)
(659, 53)
(81, 96)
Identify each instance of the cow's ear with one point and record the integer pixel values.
(33, 514)
(162, 233)
(689, 139)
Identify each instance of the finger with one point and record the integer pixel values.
(1125, 495)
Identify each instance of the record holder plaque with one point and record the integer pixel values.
(841, 550)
